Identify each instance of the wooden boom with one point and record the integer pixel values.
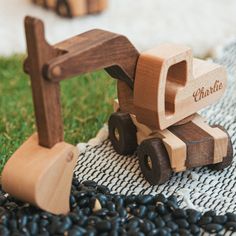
(90, 51)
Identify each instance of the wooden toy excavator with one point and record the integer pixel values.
(71, 8)
(159, 93)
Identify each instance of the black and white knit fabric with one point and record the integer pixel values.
(199, 188)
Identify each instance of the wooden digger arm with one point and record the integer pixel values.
(48, 65)
(93, 50)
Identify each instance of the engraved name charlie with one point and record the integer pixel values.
(205, 92)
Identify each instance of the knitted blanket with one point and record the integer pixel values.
(198, 188)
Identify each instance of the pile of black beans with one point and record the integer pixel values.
(95, 211)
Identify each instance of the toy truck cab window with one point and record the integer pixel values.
(175, 79)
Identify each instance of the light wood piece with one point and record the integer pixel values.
(170, 85)
(41, 176)
(71, 8)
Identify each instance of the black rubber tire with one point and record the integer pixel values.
(122, 133)
(227, 160)
(64, 4)
(154, 161)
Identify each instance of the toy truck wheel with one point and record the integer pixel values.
(154, 161)
(227, 160)
(122, 133)
(63, 8)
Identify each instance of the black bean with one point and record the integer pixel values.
(220, 219)
(130, 199)
(76, 231)
(33, 228)
(140, 211)
(90, 230)
(84, 202)
(151, 215)
(80, 194)
(122, 212)
(205, 220)
(231, 226)
(112, 213)
(145, 199)
(133, 223)
(13, 224)
(101, 212)
(182, 223)
(173, 226)
(193, 216)
(86, 211)
(159, 222)
(180, 213)
(66, 223)
(111, 206)
(173, 199)
(160, 198)
(3, 200)
(163, 232)
(154, 232)
(146, 226)
(136, 233)
(4, 219)
(184, 232)
(113, 233)
(45, 215)
(161, 209)
(2, 211)
(4, 230)
(103, 189)
(213, 228)
(119, 201)
(75, 182)
(90, 183)
(194, 229)
(175, 234)
(172, 205)
(73, 202)
(231, 216)
(210, 213)
(103, 226)
(168, 217)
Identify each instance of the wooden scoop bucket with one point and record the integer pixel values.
(40, 171)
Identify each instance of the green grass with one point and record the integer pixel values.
(86, 105)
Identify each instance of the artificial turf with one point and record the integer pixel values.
(86, 105)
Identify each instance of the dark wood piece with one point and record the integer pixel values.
(48, 65)
(154, 161)
(95, 50)
(122, 133)
(63, 8)
(46, 94)
(227, 160)
(200, 145)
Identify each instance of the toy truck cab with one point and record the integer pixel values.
(170, 87)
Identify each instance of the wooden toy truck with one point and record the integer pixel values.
(159, 93)
(71, 8)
